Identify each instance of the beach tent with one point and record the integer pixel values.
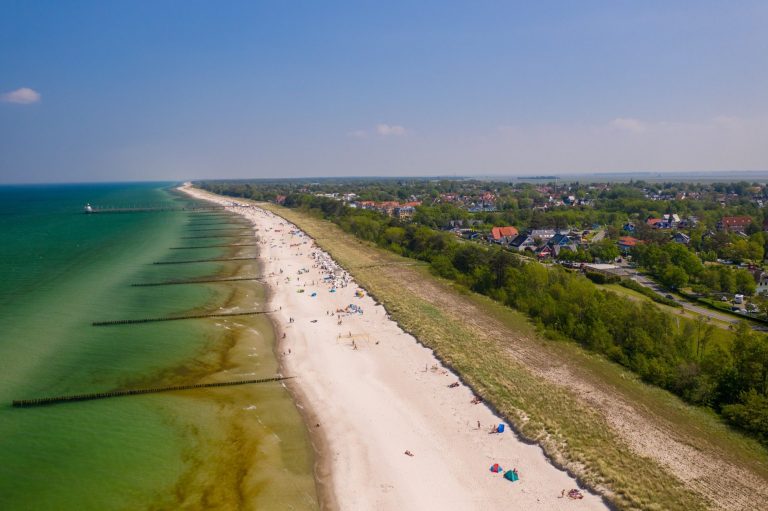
(496, 468)
(500, 429)
(510, 476)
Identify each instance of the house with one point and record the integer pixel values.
(658, 223)
(679, 237)
(627, 243)
(503, 234)
(629, 227)
(558, 249)
(404, 211)
(522, 242)
(559, 240)
(544, 251)
(280, 199)
(734, 223)
(555, 245)
(542, 234)
(762, 282)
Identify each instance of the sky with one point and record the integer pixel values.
(173, 90)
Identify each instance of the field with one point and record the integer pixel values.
(639, 446)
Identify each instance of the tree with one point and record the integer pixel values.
(605, 250)
(674, 277)
(745, 283)
(727, 280)
(750, 355)
(703, 333)
(751, 414)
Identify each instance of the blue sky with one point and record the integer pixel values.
(130, 90)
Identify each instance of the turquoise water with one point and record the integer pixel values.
(233, 448)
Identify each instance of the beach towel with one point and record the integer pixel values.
(510, 476)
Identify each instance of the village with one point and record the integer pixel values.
(605, 228)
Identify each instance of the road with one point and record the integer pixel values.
(689, 306)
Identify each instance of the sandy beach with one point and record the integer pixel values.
(393, 428)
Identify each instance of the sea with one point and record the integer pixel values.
(238, 447)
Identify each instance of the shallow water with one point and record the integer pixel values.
(229, 448)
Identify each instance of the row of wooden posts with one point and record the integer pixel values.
(176, 318)
(25, 403)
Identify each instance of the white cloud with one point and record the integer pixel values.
(386, 130)
(22, 96)
(629, 124)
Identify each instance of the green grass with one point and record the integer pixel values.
(477, 338)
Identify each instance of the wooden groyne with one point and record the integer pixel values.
(213, 260)
(26, 403)
(215, 236)
(177, 318)
(217, 246)
(194, 281)
(214, 229)
(223, 221)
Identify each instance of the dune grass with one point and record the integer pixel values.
(453, 322)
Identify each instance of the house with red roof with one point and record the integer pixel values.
(658, 223)
(503, 234)
(734, 223)
(627, 243)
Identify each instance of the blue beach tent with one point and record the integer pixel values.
(510, 476)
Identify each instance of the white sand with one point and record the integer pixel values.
(377, 401)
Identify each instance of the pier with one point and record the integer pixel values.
(92, 210)
(26, 403)
(177, 318)
(214, 260)
(194, 281)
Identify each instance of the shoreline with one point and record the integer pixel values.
(375, 403)
(317, 437)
